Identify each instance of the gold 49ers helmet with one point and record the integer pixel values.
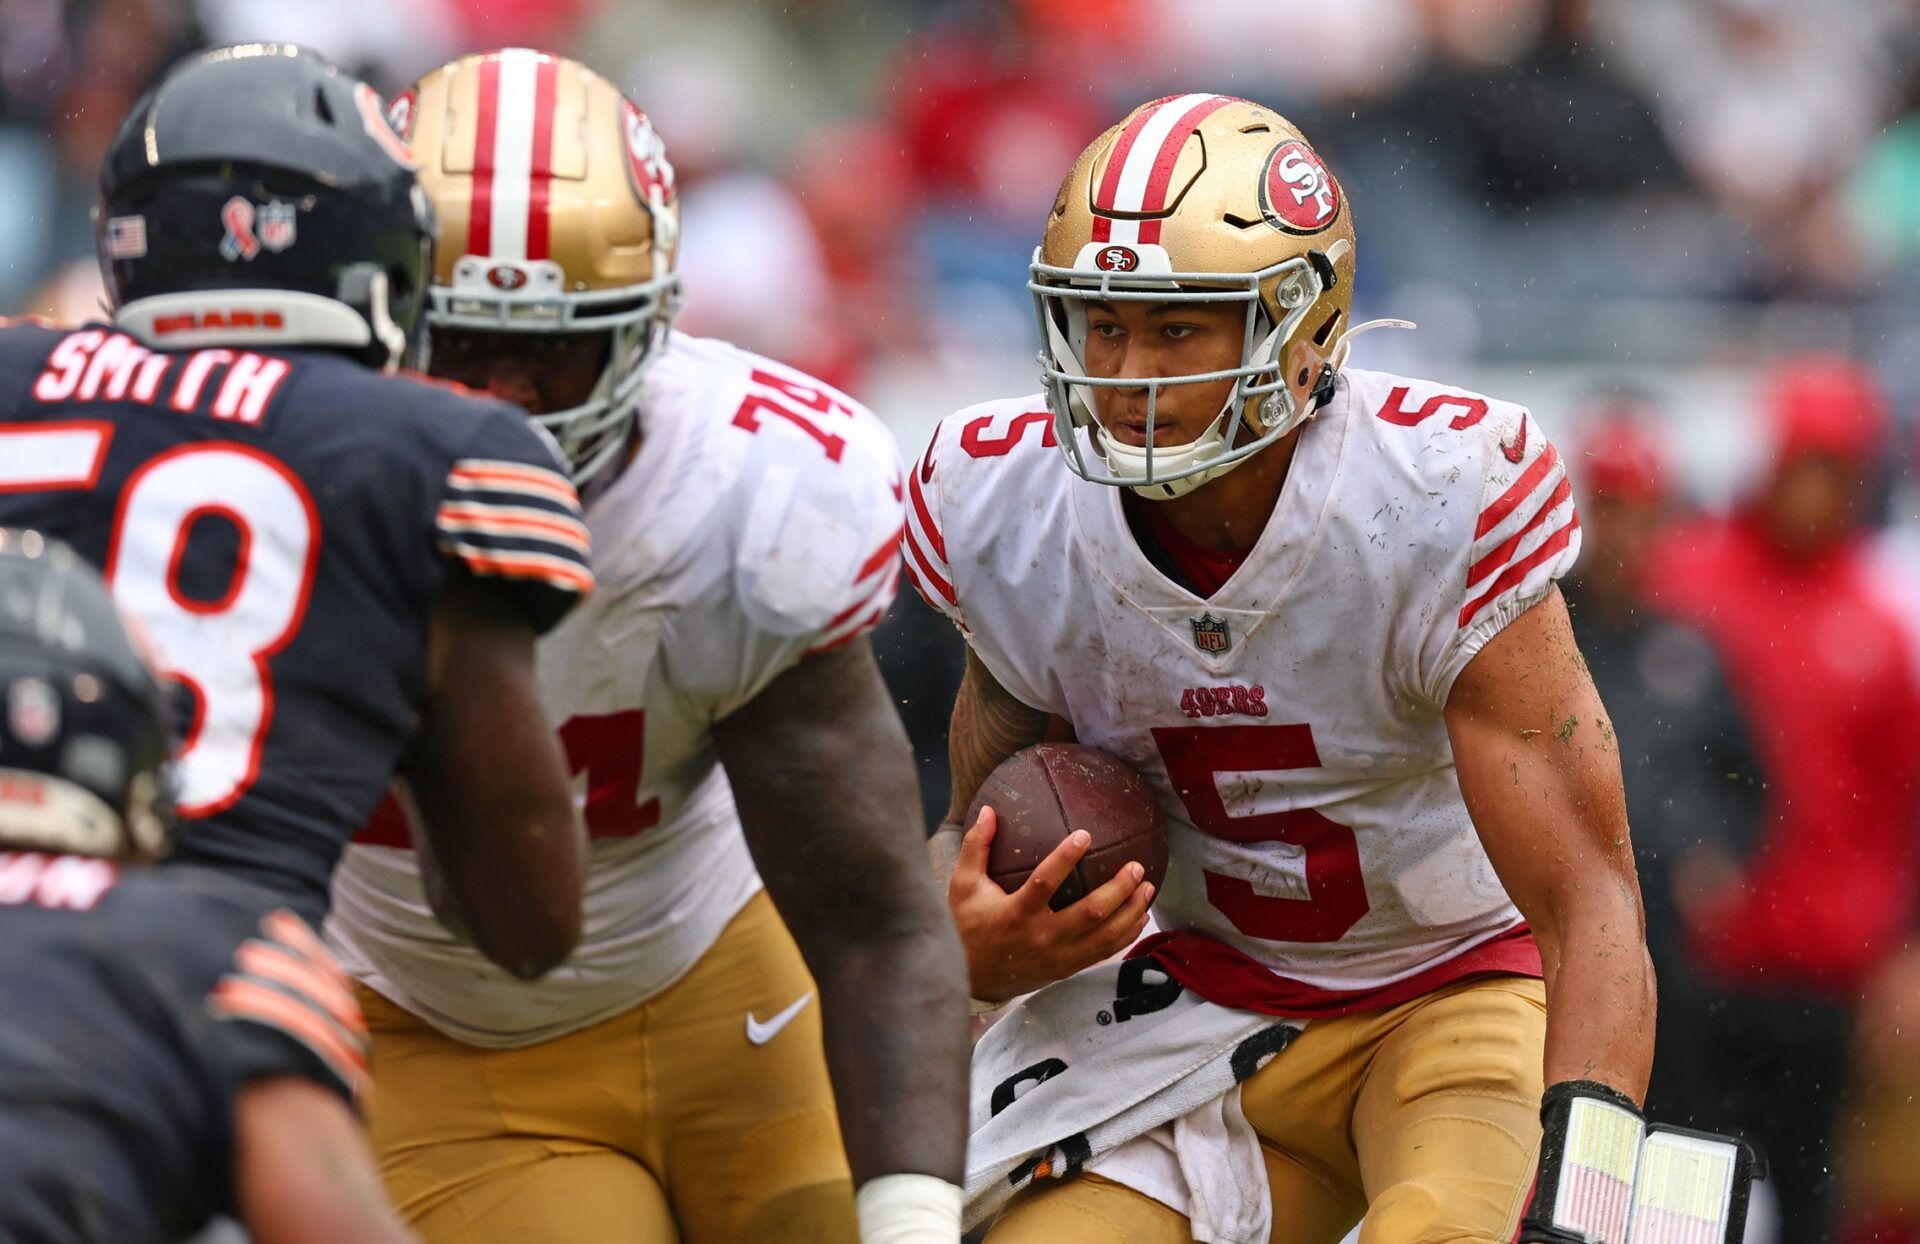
(1197, 198)
(557, 215)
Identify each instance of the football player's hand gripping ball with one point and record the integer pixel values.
(1015, 942)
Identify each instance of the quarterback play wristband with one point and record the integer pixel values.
(1693, 1186)
(1589, 1155)
(908, 1209)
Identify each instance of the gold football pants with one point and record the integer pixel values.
(1423, 1117)
(665, 1123)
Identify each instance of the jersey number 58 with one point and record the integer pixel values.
(219, 648)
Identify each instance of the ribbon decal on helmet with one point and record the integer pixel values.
(240, 243)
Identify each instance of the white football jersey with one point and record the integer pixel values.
(1291, 725)
(758, 524)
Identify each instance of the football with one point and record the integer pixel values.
(1047, 791)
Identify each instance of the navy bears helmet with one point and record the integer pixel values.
(257, 196)
(83, 721)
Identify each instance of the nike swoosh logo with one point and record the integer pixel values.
(760, 1033)
(1518, 449)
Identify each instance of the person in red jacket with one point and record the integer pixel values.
(1784, 589)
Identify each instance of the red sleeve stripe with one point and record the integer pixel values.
(1522, 488)
(280, 966)
(237, 998)
(888, 552)
(842, 616)
(883, 594)
(557, 571)
(1504, 551)
(515, 521)
(925, 577)
(867, 623)
(837, 634)
(490, 476)
(934, 540)
(1551, 547)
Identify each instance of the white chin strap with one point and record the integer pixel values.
(1173, 459)
(1125, 459)
(385, 331)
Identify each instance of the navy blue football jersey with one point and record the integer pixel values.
(141, 1004)
(281, 525)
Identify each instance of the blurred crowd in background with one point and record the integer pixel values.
(1685, 232)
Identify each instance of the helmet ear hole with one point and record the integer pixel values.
(320, 105)
(1326, 331)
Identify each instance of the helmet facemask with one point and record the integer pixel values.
(1261, 408)
(592, 435)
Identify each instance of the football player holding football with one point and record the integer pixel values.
(1314, 606)
(176, 1044)
(725, 722)
(345, 568)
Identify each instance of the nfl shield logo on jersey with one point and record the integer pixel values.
(1210, 634)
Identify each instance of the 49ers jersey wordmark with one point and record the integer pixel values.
(280, 524)
(1291, 724)
(758, 524)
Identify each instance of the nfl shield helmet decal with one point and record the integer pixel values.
(252, 226)
(1210, 634)
(33, 711)
(277, 225)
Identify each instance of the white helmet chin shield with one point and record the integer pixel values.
(1155, 471)
(638, 317)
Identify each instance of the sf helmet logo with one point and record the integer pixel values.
(1297, 193)
(653, 178)
(1117, 259)
(506, 277)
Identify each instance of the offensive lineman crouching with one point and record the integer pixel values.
(721, 710)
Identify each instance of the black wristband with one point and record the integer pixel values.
(1567, 1090)
(1556, 1113)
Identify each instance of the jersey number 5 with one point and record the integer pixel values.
(219, 648)
(1196, 757)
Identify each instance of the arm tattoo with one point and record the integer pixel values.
(988, 726)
